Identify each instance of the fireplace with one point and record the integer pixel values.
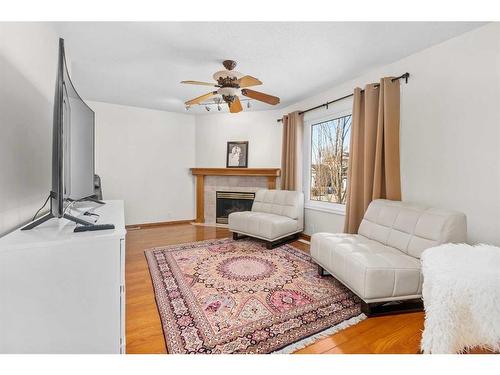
(232, 201)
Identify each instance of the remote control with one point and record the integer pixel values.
(85, 228)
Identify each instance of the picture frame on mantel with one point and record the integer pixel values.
(237, 154)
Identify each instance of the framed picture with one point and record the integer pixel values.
(237, 154)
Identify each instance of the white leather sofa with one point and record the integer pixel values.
(382, 262)
(276, 215)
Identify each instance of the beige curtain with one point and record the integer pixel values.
(374, 151)
(291, 151)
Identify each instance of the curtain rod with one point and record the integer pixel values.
(405, 76)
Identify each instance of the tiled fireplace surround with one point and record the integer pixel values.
(213, 184)
(211, 180)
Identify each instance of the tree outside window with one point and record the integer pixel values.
(330, 159)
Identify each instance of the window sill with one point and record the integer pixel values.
(336, 209)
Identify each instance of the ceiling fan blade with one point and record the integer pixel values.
(269, 99)
(235, 106)
(199, 83)
(248, 81)
(201, 99)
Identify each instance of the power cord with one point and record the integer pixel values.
(41, 208)
(86, 213)
(68, 207)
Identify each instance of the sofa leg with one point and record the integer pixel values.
(272, 244)
(392, 307)
(237, 236)
(321, 271)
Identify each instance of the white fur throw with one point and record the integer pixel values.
(461, 295)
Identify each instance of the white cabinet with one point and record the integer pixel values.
(64, 292)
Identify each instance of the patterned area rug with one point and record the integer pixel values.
(225, 296)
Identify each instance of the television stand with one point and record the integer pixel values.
(49, 216)
(64, 292)
(95, 200)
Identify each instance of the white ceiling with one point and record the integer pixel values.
(141, 64)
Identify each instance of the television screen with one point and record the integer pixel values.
(73, 142)
(79, 155)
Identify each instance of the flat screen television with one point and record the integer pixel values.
(72, 148)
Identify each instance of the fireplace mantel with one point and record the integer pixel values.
(265, 172)
(200, 173)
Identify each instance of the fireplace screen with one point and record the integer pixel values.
(228, 201)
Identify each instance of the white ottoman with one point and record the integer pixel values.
(461, 293)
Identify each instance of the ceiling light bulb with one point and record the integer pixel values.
(207, 108)
(231, 91)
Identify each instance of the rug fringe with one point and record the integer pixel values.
(320, 335)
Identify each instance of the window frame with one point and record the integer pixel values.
(328, 207)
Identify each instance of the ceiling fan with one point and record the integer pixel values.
(230, 84)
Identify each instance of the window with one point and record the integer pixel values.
(329, 160)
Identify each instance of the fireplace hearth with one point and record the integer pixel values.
(232, 201)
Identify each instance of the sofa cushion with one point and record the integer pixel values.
(370, 269)
(261, 224)
(411, 228)
(279, 202)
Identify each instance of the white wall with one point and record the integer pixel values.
(28, 63)
(450, 129)
(260, 129)
(450, 137)
(143, 157)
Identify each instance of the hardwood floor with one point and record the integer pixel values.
(388, 334)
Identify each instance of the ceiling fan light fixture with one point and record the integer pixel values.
(230, 91)
(226, 74)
